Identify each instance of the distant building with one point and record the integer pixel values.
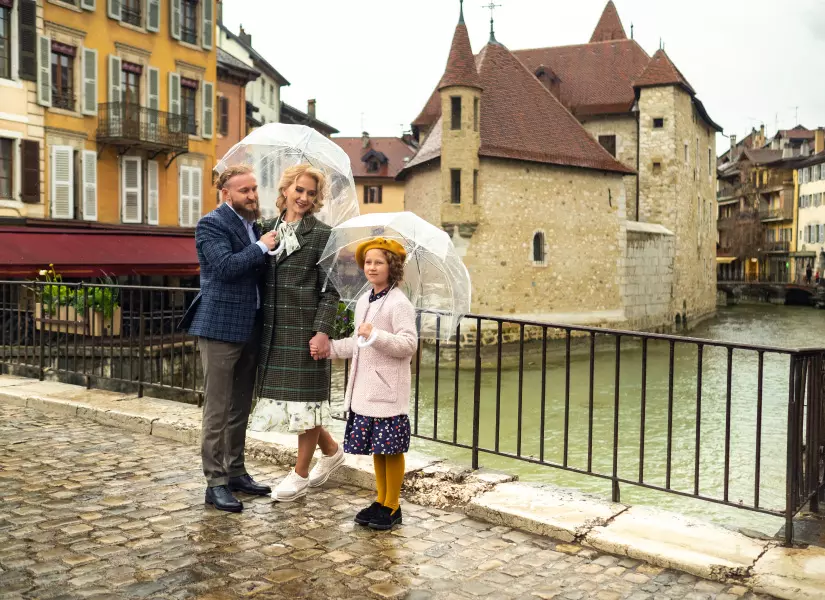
(290, 114)
(376, 161)
(810, 226)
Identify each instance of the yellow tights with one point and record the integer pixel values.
(389, 475)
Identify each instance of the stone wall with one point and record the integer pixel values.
(647, 276)
(577, 210)
(677, 190)
(422, 192)
(624, 128)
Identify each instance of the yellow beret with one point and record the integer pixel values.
(380, 243)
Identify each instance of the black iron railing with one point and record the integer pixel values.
(125, 123)
(131, 14)
(740, 425)
(62, 99)
(189, 34)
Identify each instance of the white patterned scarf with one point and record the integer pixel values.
(289, 241)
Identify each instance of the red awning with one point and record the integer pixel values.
(76, 254)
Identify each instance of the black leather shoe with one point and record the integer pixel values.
(221, 498)
(366, 515)
(247, 485)
(385, 519)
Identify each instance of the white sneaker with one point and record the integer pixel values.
(325, 467)
(292, 487)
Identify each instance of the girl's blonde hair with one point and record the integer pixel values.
(291, 175)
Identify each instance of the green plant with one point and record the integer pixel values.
(53, 294)
(99, 299)
(344, 322)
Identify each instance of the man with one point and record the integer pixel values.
(225, 317)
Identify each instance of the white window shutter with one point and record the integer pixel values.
(184, 196)
(89, 105)
(88, 170)
(62, 179)
(88, 5)
(174, 101)
(208, 109)
(153, 79)
(153, 15)
(44, 70)
(208, 24)
(131, 190)
(195, 195)
(115, 79)
(153, 197)
(174, 18)
(113, 9)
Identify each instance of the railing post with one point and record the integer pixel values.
(790, 455)
(141, 348)
(476, 392)
(41, 358)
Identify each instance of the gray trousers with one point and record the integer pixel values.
(229, 381)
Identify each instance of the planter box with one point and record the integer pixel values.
(68, 320)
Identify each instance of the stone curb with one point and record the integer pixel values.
(660, 538)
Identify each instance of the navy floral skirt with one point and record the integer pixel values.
(372, 435)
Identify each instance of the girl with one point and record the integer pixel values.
(378, 391)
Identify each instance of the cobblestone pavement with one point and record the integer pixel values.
(88, 511)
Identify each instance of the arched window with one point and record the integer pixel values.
(538, 248)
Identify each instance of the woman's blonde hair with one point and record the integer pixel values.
(291, 175)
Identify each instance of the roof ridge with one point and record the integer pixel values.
(582, 44)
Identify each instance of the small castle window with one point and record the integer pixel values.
(455, 186)
(658, 123)
(539, 257)
(455, 116)
(608, 142)
(657, 168)
(475, 114)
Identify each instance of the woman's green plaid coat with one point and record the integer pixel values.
(295, 307)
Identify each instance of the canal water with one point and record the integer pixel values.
(785, 326)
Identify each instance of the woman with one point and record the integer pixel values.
(299, 310)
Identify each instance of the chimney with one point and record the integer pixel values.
(246, 38)
(732, 144)
(761, 135)
(311, 107)
(220, 12)
(365, 140)
(819, 140)
(787, 151)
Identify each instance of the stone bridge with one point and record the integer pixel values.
(772, 292)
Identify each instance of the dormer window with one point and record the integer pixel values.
(372, 166)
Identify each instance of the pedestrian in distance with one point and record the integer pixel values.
(378, 391)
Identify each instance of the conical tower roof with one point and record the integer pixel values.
(609, 26)
(461, 65)
(661, 71)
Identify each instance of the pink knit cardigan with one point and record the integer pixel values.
(379, 381)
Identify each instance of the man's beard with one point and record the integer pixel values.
(249, 215)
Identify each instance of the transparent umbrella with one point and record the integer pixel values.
(435, 280)
(273, 148)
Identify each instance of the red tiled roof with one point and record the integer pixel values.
(797, 133)
(595, 78)
(609, 26)
(431, 111)
(521, 119)
(662, 71)
(393, 148)
(461, 67)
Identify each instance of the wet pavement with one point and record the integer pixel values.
(88, 511)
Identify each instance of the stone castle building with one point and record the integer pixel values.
(577, 181)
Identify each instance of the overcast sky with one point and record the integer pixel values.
(372, 64)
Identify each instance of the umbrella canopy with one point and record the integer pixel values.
(435, 280)
(275, 147)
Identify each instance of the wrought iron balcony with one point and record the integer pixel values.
(124, 124)
(777, 246)
(189, 34)
(783, 213)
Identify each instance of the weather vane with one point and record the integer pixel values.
(492, 7)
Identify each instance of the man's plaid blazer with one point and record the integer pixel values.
(231, 270)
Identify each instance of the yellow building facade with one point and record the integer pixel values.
(128, 88)
(21, 118)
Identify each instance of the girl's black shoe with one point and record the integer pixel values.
(366, 515)
(385, 519)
